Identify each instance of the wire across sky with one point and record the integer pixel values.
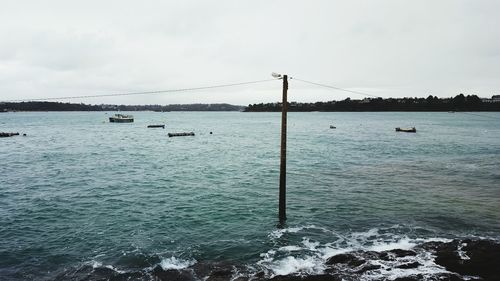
(145, 92)
(217, 86)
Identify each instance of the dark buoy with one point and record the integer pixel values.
(210, 132)
(24, 135)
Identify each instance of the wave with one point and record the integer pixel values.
(377, 254)
(175, 263)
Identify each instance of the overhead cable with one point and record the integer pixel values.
(335, 88)
(143, 93)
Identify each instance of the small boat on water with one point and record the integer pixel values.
(406, 130)
(6, 135)
(121, 118)
(180, 134)
(156, 126)
(332, 127)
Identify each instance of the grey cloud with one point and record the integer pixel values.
(389, 47)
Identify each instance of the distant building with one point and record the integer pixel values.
(494, 98)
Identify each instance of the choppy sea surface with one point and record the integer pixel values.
(78, 190)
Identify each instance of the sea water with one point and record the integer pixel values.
(78, 190)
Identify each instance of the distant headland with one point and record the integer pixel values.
(59, 106)
(431, 103)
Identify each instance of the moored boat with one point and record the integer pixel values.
(5, 135)
(121, 118)
(406, 130)
(180, 134)
(156, 126)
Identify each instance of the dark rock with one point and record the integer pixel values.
(217, 269)
(137, 261)
(433, 246)
(368, 267)
(402, 253)
(369, 255)
(128, 276)
(386, 256)
(104, 272)
(409, 265)
(439, 277)
(484, 258)
(396, 253)
(418, 277)
(340, 258)
(172, 274)
(320, 277)
(88, 273)
(220, 275)
(260, 274)
(348, 259)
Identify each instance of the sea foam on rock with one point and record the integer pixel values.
(436, 260)
(457, 260)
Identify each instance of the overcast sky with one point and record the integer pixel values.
(390, 48)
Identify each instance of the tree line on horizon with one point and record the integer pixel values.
(431, 103)
(59, 106)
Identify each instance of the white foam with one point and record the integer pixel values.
(463, 255)
(435, 239)
(114, 268)
(404, 244)
(290, 265)
(290, 248)
(312, 246)
(175, 263)
(268, 256)
(95, 264)
(327, 252)
(309, 256)
(367, 234)
(279, 232)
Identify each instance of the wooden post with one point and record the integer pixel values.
(282, 196)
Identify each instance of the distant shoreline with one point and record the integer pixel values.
(429, 104)
(459, 103)
(289, 111)
(40, 106)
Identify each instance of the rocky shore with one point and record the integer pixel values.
(458, 260)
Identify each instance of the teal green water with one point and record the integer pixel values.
(80, 190)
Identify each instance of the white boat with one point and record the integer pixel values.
(406, 130)
(121, 118)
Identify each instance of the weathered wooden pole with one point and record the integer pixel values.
(282, 196)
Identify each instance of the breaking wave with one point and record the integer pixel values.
(376, 254)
